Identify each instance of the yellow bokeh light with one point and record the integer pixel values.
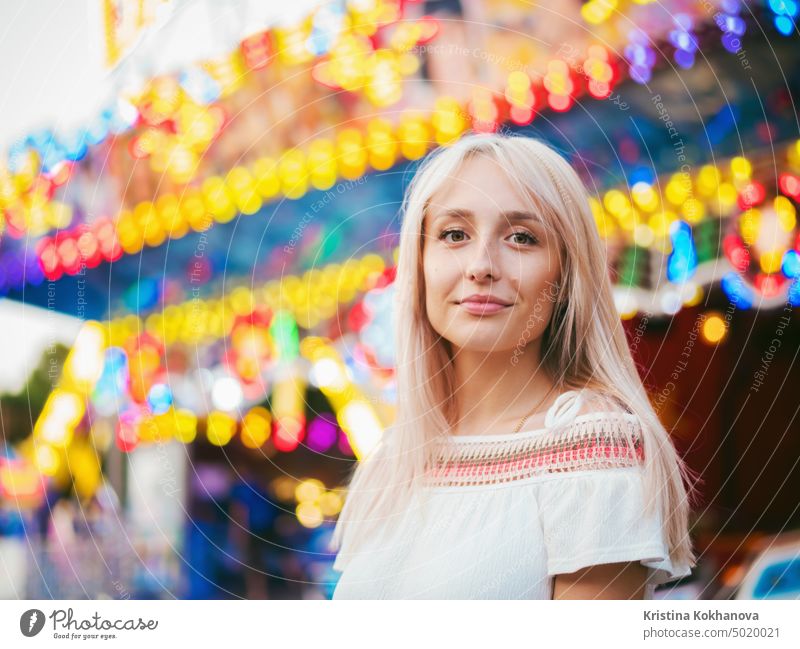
(714, 329)
(256, 427)
(330, 503)
(309, 490)
(46, 459)
(770, 260)
(309, 515)
(693, 210)
(220, 428)
(741, 168)
(185, 425)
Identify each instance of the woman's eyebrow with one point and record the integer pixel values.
(520, 215)
(454, 212)
(466, 214)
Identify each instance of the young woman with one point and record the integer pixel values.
(526, 460)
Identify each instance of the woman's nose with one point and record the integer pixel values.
(483, 264)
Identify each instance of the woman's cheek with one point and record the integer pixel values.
(430, 281)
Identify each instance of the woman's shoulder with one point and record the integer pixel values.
(592, 411)
(578, 405)
(602, 401)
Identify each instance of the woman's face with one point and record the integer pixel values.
(481, 239)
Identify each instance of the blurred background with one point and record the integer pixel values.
(199, 225)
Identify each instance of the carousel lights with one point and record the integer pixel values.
(737, 291)
(736, 252)
(85, 469)
(62, 412)
(790, 265)
(520, 97)
(198, 319)
(645, 196)
(127, 430)
(596, 69)
(227, 394)
(220, 428)
(793, 294)
(315, 503)
(559, 85)
(84, 364)
(484, 111)
(365, 429)
(322, 433)
(682, 191)
(159, 398)
(731, 24)
(136, 426)
(786, 213)
(448, 120)
(683, 33)
(596, 12)
(352, 410)
(243, 190)
(355, 414)
(46, 459)
(684, 41)
(765, 231)
(256, 427)
(714, 328)
(184, 103)
(599, 72)
(309, 515)
(671, 302)
(329, 375)
(20, 481)
(784, 15)
(790, 185)
(640, 55)
(185, 425)
(310, 489)
(769, 284)
(713, 191)
(65, 407)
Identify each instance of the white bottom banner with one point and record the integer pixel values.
(479, 624)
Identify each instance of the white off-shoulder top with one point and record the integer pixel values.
(509, 512)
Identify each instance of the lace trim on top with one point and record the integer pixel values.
(593, 441)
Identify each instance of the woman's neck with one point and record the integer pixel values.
(494, 391)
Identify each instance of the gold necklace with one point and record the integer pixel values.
(538, 405)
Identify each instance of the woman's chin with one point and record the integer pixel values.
(483, 344)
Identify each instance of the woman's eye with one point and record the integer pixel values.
(524, 238)
(458, 233)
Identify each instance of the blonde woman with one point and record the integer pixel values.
(526, 460)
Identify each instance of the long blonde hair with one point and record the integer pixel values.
(583, 346)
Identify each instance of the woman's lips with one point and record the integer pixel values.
(483, 308)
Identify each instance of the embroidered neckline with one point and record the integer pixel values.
(465, 439)
(598, 440)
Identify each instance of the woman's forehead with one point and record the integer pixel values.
(472, 186)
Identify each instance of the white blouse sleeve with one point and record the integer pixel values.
(342, 559)
(597, 517)
(592, 510)
(339, 563)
